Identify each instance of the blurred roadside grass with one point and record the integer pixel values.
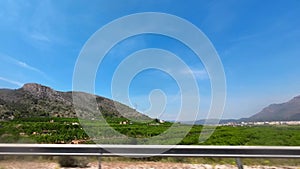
(187, 160)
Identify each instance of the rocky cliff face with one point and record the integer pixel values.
(35, 100)
(42, 92)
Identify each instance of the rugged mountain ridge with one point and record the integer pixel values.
(288, 111)
(35, 100)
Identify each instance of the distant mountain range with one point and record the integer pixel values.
(35, 100)
(288, 111)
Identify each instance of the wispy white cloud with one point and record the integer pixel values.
(201, 74)
(34, 22)
(198, 73)
(24, 65)
(40, 37)
(11, 81)
(246, 37)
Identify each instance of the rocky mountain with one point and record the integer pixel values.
(288, 111)
(35, 100)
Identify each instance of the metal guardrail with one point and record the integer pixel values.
(152, 150)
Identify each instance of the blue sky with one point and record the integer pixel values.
(257, 41)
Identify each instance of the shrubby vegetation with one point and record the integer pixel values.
(256, 135)
(68, 130)
(69, 161)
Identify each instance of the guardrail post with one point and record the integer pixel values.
(99, 162)
(239, 163)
